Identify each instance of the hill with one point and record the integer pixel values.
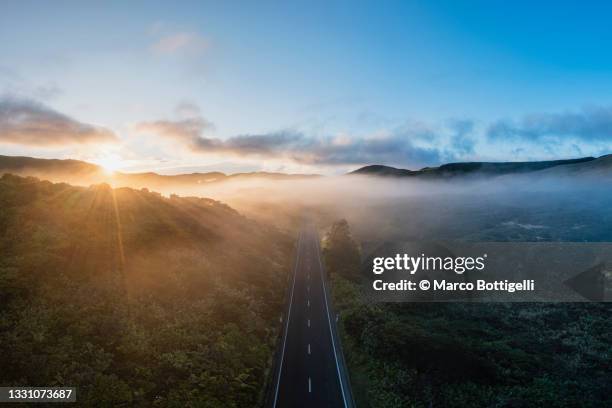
(602, 166)
(480, 168)
(83, 173)
(134, 298)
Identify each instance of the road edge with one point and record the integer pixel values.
(272, 391)
(337, 343)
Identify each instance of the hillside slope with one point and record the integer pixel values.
(136, 298)
(602, 166)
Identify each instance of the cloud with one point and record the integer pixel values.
(463, 141)
(396, 148)
(180, 43)
(412, 145)
(589, 125)
(188, 131)
(27, 122)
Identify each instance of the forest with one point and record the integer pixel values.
(135, 298)
(466, 355)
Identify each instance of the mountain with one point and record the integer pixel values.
(24, 165)
(381, 170)
(581, 165)
(83, 173)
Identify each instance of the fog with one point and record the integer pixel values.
(521, 208)
(536, 206)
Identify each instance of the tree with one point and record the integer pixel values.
(342, 252)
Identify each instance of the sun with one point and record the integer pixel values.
(110, 164)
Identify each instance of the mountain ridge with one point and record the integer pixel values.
(465, 169)
(70, 169)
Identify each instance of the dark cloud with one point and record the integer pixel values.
(270, 143)
(26, 122)
(591, 125)
(395, 149)
(392, 149)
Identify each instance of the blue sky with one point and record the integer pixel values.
(308, 86)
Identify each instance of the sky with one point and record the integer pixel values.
(309, 86)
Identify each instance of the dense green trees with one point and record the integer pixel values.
(470, 355)
(134, 298)
(341, 251)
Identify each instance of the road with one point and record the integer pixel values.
(311, 372)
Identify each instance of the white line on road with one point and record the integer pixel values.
(309, 348)
(309, 385)
(308, 302)
(308, 322)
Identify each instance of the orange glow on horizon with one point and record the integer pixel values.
(110, 164)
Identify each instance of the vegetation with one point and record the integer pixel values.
(134, 298)
(341, 251)
(469, 355)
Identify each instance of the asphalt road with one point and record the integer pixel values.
(311, 364)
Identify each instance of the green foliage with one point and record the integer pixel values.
(136, 299)
(473, 355)
(341, 252)
(465, 355)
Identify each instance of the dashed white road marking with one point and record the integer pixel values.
(308, 302)
(309, 385)
(308, 322)
(308, 348)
